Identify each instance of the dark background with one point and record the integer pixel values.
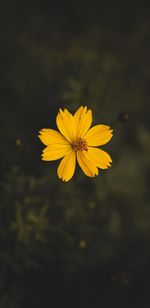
(85, 243)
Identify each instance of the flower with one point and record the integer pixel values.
(76, 141)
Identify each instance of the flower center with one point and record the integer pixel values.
(80, 145)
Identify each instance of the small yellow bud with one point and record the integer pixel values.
(18, 142)
(82, 244)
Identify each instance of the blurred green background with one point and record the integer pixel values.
(85, 243)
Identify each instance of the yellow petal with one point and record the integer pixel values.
(55, 151)
(51, 136)
(78, 113)
(67, 113)
(88, 167)
(65, 124)
(82, 121)
(101, 158)
(66, 167)
(98, 135)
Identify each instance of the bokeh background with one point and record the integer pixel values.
(85, 243)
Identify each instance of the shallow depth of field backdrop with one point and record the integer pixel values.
(85, 243)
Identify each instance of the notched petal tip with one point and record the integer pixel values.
(43, 130)
(64, 180)
(43, 158)
(85, 108)
(40, 133)
(60, 113)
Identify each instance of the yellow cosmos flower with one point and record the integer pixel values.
(76, 140)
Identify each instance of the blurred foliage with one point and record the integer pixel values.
(84, 243)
